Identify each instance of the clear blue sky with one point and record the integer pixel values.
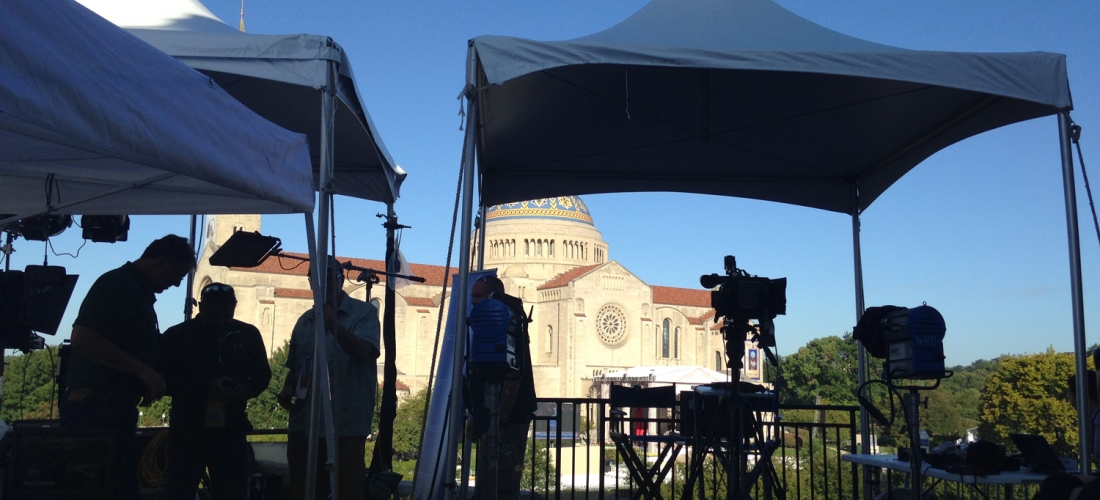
(977, 231)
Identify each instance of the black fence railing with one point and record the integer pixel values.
(570, 454)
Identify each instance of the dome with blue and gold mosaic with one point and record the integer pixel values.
(569, 208)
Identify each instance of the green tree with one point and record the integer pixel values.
(406, 427)
(30, 388)
(1029, 394)
(264, 411)
(827, 367)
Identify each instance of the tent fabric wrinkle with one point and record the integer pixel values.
(276, 76)
(105, 113)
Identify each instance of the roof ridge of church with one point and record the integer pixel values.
(567, 276)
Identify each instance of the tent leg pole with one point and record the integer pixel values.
(481, 239)
(1084, 436)
(321, 405)
(864, 423)
(461, 295)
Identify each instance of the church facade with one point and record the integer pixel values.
(590, 314)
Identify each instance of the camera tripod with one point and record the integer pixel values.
(724, 421)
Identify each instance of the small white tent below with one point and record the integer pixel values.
(106, 124)
(684, 378)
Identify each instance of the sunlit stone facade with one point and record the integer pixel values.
(591, 314)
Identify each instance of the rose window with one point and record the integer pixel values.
(611, 324)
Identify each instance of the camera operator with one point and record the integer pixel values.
(517, 402)
(116, 351)
(216, 365)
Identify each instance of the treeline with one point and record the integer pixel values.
(1012, 393)
(30, 392)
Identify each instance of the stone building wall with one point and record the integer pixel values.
(590, 314)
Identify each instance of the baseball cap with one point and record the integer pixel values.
(217, 293)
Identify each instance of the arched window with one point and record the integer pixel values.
(526, 248)
(551, 248)
(664, 337)
(676, 344)
(718, 361)
(204, 282)
(538, 248)
(549, 339)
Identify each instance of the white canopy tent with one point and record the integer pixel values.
(738, 98)
(304, 83)
(120, 128)
(277, 76)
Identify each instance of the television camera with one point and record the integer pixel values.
(741, 298)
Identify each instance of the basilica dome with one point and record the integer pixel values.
(567, 208)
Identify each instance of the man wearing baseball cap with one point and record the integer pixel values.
(213, 365)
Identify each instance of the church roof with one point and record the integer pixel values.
(294, 266)
(570, 275)
(419, 301)
(680, 296)
(293, 293)
(569, 208)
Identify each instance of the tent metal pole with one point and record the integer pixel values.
(188, 303)
(322, 406)
(1076, 294)
(481, 239)
(864, 424)
(461, 295)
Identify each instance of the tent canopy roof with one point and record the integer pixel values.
(739, 98)
(278, 77)
(114, 126)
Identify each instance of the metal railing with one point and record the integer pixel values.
(570, 454)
